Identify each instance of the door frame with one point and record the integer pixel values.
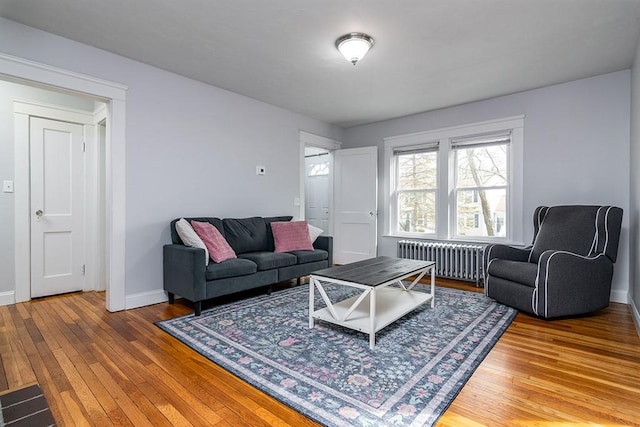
(32, 73)
(23, 111)
(311, 140)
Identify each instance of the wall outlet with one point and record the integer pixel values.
(261, 170)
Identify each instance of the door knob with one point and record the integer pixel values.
(371, 213)
(39, 213)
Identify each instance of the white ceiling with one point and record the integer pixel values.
(428, 54)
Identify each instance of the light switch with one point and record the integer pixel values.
(7, 186)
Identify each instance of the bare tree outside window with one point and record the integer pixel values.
(481, 189)
(416, 191)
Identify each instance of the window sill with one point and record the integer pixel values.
(453, 240)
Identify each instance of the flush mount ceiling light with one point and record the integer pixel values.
(354, 46)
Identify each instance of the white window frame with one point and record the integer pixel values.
(433, 147)
(454, 187)
(445, 214)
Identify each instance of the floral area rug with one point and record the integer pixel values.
(329, 374)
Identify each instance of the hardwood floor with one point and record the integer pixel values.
(100, 368)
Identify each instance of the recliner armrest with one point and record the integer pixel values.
(569, 283)
(510, 253)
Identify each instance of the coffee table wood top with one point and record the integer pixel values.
(374, 271)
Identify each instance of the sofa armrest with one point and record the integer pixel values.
(325, 243)
(568, 283)
(184, 271)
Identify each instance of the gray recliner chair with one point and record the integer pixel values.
(566, 271)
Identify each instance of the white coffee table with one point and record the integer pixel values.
(379, 304)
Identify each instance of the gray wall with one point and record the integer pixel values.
(191, 148)
(634, 208)
(576, 148)
(8, 93)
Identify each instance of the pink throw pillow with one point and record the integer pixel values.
(218, 248)
(291, 236)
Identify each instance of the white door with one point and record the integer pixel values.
(317, 168)
(356, 201)
(57, 207)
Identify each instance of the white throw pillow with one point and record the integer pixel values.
(190, 238)
(314, 232)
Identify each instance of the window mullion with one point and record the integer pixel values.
(445, 188)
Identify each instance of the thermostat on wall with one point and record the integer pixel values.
(7, 186)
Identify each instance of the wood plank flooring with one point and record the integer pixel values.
(99, 368)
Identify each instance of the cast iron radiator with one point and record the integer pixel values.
(461, 261)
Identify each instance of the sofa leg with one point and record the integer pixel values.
(299, 281)
(197, 306)
(269, 290)
(172, 297)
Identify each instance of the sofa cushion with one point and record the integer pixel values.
(514, 271)
(291, 236)
(310, 256)
(190, 238)
(219, 249)
(230, 268)
(246, 234)
(270, 260)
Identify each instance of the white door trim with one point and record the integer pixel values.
(23, 109)
(311, 140)
(28, 72)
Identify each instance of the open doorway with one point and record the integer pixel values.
(112, 96)
(58, 177)
(316, 180)
(318, 164)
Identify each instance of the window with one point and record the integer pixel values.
(460, 183)
(416, 185)
(319, 169)
(481, 185)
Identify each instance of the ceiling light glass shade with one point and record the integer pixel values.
(354, 46)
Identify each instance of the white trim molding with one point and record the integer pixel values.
(145, 298)
(313, 140)
(635, 313)
(28, 72)
(7, 298)
(619, 295)
(22, 69)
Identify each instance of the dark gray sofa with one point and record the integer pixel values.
(257, 265)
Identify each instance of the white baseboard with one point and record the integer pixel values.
(635, 314)
(7, 298)
(619, 296)
(144, 298)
